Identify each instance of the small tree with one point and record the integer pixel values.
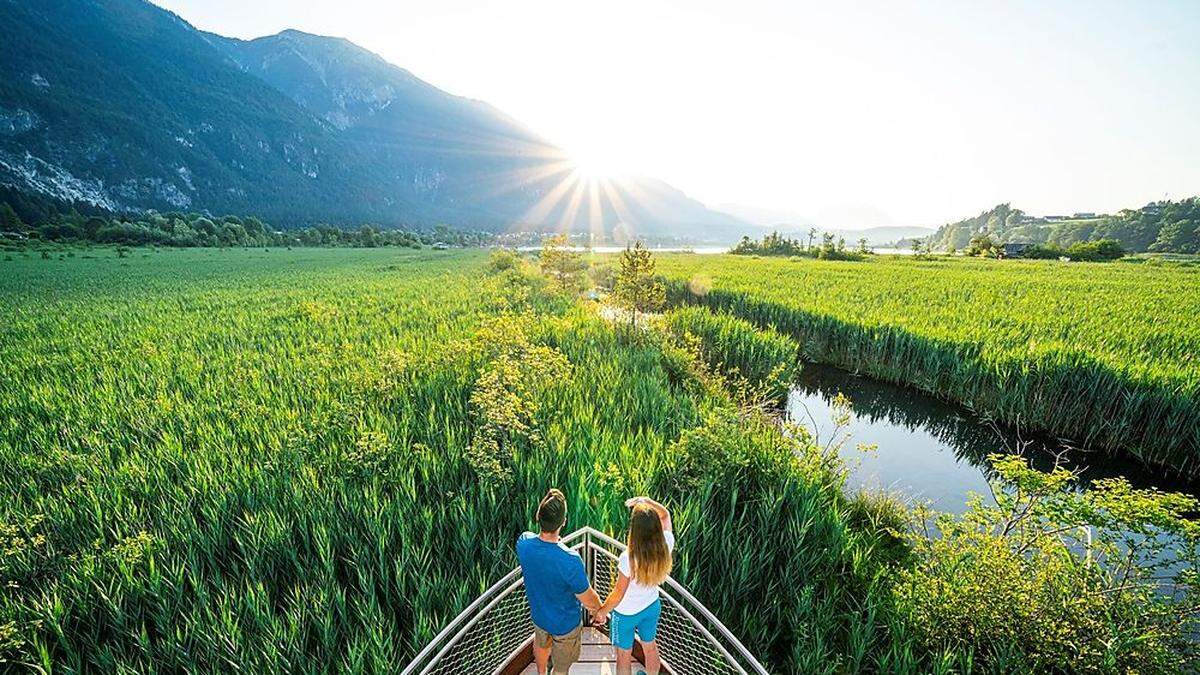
(862, 245)
(9, 220)
(565, 268)
(982, 245)
(636, 289)
(828, 247)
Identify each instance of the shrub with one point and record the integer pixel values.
(1044, 252)
(563, 267)
(1096, 251)
(503, 260)
(603, 276)
(1055, 579)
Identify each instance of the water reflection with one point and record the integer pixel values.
(932, 450)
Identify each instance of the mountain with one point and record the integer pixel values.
(886, 234)
(122, 105)
(796, 225)
(765, 217)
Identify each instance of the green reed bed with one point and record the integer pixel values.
(764, 359)
(1105, 354)
(312, 460)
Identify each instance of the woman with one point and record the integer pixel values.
(641, 568)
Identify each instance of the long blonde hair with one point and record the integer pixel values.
(649, 557)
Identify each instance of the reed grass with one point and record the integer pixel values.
(1107, 355)
(262, 460)
(305, 461)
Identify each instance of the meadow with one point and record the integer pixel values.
(1107, 355)
(311, 460)
(279, 460)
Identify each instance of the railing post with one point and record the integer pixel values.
(589, 564)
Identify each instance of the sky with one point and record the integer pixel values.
(851, 114)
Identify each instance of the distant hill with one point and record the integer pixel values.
(1166, 226)
(121, 105)
(766, 218)
(887, 234)
(796, 225)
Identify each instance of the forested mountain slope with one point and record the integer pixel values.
(121, 105)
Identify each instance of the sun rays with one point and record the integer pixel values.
(574, 200)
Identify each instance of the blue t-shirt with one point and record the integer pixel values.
(554, 575)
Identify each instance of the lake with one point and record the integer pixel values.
(932, 450)
(700, 250)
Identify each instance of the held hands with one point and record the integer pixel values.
(600, 618)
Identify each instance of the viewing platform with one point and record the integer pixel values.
(495, 633)
(595, 658)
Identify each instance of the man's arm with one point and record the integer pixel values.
(590, 599)
(579, 584)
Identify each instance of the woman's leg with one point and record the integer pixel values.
(650, 652)
(621, 631)
(647, 630)
(624, 661)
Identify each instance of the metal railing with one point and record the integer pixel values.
(497, 627)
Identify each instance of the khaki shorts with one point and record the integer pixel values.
(564, 649)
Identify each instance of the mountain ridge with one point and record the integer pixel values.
(126, 106)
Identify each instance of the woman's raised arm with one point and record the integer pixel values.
(664, 516)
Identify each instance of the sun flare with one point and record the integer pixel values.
(594, 165)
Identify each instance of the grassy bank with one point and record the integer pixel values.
(1104, 354)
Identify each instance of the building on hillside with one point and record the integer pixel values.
(1015, 250)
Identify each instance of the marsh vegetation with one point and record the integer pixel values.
(311, 459)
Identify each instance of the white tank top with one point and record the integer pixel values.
(638, 597)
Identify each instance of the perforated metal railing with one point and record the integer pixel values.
(496, 628)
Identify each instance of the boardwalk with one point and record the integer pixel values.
(595, 658)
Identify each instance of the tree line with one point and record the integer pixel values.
(775, 244)
(201, 230)
(1158, 227)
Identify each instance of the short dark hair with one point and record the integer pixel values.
(552, 510)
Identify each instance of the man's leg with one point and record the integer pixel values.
(565, 650)
(541, 650)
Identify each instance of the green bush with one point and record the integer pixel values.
(503, 260)
(1055, 579)
(1096, 251)
(1103, 250)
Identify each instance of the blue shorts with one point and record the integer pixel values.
(644, 623)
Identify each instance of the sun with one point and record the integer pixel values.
(595, 164)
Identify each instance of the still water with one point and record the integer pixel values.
(931, 450)
(701, 250)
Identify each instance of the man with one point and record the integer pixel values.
(556, 585)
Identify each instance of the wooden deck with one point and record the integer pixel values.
(596, 657)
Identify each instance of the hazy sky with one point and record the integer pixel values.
(897, 112)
